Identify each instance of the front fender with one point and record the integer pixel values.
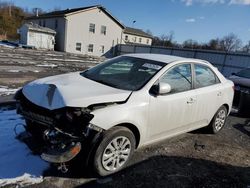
(116, 114)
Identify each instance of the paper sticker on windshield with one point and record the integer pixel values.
(152, 66)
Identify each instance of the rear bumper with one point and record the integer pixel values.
(64, 156)
(242, 101)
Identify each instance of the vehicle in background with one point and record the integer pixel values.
(241, 81)
(104, 113)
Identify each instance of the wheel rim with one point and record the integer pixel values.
(116, 153)
(220, 120)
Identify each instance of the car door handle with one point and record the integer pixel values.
(191, 101)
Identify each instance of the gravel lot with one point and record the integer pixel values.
(19, 66)
(193, 159)
(190, 160)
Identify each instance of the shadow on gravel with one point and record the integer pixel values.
(163, 171)
(244, 128)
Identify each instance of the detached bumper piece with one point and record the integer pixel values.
(62, 156)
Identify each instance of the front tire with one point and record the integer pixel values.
(114, 151)
(218, 120)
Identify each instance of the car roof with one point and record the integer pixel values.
(161, 57)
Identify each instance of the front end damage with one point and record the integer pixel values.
(63, 133)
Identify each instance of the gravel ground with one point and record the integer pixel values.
(19, 66)
(193, 159)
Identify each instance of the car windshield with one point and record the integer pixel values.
(127, 73)
(245, 73)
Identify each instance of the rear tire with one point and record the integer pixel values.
(114, 151)
(218, 120)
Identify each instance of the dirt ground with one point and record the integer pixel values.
(195, 159)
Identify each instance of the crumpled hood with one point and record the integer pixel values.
(71, 90)
(240, 81)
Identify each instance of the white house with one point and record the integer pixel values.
(136, 36)
(88, 30)
(37, 36)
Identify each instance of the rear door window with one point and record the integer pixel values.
(204, 76)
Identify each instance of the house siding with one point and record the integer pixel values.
(41, 40)
(60, 30)
(36, 38)
(78, 32)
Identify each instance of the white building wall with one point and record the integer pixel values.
(78, 32)
(136, 39)
(60, 29)
(41, 40)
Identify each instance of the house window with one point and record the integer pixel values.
(103, 30)
(91, 48)
(126, 37)
(147, 41)
(40, 22)
(92, 28)
(102, 49)
(135, 39)
(139, 40)
(78, 46)
(44, 23)
(56, 24)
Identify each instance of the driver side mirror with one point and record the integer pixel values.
(164, 88)
(160, 89)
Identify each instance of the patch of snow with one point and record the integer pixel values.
(77, 60)
(16, 159)
(53, 59)
(24, 180)
(35, 71)
(47, 65)
(4, 90)
(14, 71)
(55, 55)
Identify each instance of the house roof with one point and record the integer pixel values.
(35, 27)
(138, 32)
(67, 12)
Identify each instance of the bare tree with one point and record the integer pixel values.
(192, 44)
(214, 44)
(246, 48)
(148, 31)
(230, 43)
(57, 8)
(165, 40)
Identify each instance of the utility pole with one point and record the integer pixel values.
(10, 10)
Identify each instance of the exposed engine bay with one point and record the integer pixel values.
(64, 132)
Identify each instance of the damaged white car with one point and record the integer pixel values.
(103, 114)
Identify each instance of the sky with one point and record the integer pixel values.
(200, 20)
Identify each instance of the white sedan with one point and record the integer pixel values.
(103, 114)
